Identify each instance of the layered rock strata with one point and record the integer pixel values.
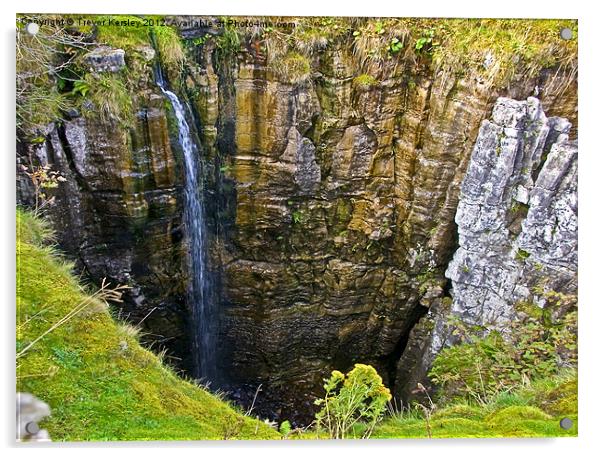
(330, 210)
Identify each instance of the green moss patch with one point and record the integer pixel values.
(532, 411)
(364, 82)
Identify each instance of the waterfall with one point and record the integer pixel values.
(199, 292)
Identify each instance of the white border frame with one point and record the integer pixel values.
(590, 166)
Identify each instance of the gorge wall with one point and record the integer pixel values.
(335, 205)
(517, 216)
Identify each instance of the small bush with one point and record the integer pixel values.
(537, 345)
(297, 217)
(285, 428)
(358, 397)
(292, 68)
(522, 255)
(227, 44)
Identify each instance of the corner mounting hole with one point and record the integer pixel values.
(566, 423)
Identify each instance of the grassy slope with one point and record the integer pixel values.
(535, 411)
(99, 382)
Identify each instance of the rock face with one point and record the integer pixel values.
(330, 210)
(517, 229)
(517, 215)
(336, 220)
(119, 212)
(106, 59)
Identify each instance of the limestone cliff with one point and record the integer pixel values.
(517, 215)
(332, 195)
(119, 209)
(517, 228)
(341, 201)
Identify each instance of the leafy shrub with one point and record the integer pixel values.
(227, 44)
(358, 397)
(285, 428)
(522, 255)
(80, 87)
(426, 43)
(297, 217)
(538, 344)
(395, 46)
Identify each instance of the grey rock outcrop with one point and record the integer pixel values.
(517, 215)
(106, 59)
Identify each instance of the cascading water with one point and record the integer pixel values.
(199, 293)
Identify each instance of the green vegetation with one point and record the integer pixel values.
(122, 37)
(148, 29)
(297, 217)
(364, 82)
(110, 96)
(52, 76)
(39, 99)
(515, 46)
(537, 345)
(171, 50)
(40, 106)
(395, 46)
(496, 50)
(358, 397)
(227, 44)
(137, 35)
(531, 411)
(292, 68)
(522, 255)
(99, 382)
(285, 428)
(493, 50)
(426, 43)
